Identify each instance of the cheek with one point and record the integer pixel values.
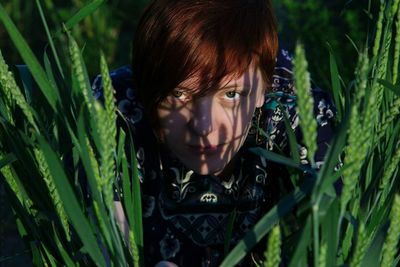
(171, 123)
(240, 122)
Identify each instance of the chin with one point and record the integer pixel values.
(205, 170)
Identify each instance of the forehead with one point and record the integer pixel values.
(252, 76)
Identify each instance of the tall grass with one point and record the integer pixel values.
(53, 133)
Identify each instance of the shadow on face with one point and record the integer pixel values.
(205, 132)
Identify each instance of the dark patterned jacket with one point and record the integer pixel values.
(185, 215)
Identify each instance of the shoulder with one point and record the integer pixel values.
(125, 95)
(281, 102)
(121, 80)
(283, 91)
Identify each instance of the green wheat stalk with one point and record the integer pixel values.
(357, 147)
(107, 165)
(322, 255)
(16, 187)
(394, 107)
(305, 101)
(4, 88)
(361, 246)
(396, 50)
(109, 100)
(395, 6)
(44, 170)
(79, 73)
(102, 224)
(105, 121)
(7, 173)
(361, 73)
(390, 246)
(107, 131)
(94, 165)
(394, 110)
(134, 249)
(376, 97)
(385, 183)
(273, 253)
(378, 34)
(347, 241)
(13, 93)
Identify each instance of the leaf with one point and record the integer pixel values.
(280, 159)
(37, 258)
(49, 38)
(291, 136)
(266, 223)
(6, 160)
(137, 201)
(48, 69)
(29, 58)
(126, 185)
(394, 88)
(330, 232)
(301, 248)
(336, 146)
(372, 256)
(335, 81)
(71, 204)
(90, 176)
(81, 14)
(67, 259)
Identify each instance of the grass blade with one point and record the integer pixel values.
(49, 38)
(7, 159)
(266, 223)
(304, 241)
(71, 204)
(280, 159)
(394, 88)
(335, 81)
(82, 13)
(49, 91)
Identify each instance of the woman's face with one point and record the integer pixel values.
(206, 132)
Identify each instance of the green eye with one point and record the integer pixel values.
(231, 94)
(177, 93)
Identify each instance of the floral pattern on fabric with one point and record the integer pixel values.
(185, 215)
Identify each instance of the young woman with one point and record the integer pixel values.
(206, 76)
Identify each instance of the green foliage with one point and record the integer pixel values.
(318, 23)
(109, 26)
(273, 254)
(305, 101)
(361, 246)
(390, 248)
(42, 152)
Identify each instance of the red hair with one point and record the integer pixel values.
(210, 39)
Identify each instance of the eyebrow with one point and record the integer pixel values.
(236, 86)
(183, 88)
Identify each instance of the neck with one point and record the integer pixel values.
(227, 172)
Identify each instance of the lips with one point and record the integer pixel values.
(209, 149)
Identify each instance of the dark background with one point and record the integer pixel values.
(316, 23)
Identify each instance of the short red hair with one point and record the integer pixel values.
(177, 39)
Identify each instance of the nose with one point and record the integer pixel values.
(201, 121)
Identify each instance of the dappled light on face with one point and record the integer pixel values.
(205, 132)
